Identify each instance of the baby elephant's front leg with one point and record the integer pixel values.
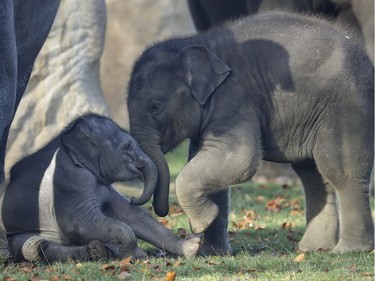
(147, 228)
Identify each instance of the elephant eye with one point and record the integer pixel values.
(126, 146)
(156, 107)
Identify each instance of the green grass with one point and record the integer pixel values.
(266, 221)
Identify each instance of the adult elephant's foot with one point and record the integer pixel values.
(353, 244)
(321, 233)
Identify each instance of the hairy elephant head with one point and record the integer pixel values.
(168, 88)
(112, 155)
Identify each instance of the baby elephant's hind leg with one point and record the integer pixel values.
(95, 250)
(33, 247)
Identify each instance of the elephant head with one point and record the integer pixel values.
(167, 92)
(112, 155)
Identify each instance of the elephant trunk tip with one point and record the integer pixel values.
(161, 211)
(138, 201)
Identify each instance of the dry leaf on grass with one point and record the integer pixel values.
(353, 268)
(124, 275)
(125, 263)
(171, 276)
(9, 278)
(287, 225)
(27, 269)
(67, 277)
(300, 258)
(178, 263)
(54, 278)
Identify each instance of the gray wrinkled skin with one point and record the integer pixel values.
(60, 205)
(275, 86)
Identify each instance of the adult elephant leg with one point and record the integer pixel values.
(322, 222)
(221, 161)
(145, 227)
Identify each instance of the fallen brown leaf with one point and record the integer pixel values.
(164, 222)
(27, 269)
(175, 210)
(178, 263)
(54, 278)
(49, 269)
(67, 277)
(125, 263)
(246, 270)
(353, 268)
(9, 278)
(287, 225)
(124, 275)
(300, 258)
(275, 204)
(171, 276)
(260, 227)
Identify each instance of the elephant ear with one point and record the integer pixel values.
(205, 71)
(81, 148)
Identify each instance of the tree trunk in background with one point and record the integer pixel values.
(65, 79)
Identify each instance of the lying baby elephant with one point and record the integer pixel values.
(60, 204)
(275, 86)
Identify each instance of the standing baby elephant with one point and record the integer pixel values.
(275, 86)
(60, 204)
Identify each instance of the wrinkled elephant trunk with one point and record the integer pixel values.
(161, 194)
(150, 175)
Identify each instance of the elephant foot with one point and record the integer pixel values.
(309, 245)
(190, 246)
(200, 222)
(321, 234)
(348, 245)
(139, 254)
(96, 251)
(219, 249)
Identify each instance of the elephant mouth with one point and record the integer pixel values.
(136, 173)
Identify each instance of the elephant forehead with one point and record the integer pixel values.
(103, 126)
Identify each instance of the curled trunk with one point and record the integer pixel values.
(150, 175)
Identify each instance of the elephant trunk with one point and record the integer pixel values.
(150, 175)
(161, 195)
(149, 141)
